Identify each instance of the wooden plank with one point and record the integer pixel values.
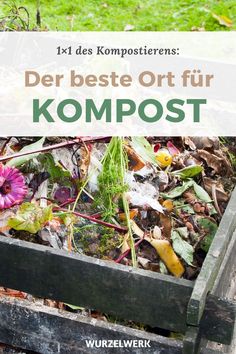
(49, 331)
(134, 294)
(221, 287)
(218, 320)
(212, 263)
(232, 347)
(33, 326)
(191, 340)
(217, 324)
(225, 286)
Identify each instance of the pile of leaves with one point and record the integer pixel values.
(153, 203)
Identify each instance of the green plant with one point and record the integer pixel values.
(111, 180)
(38, 15)
(16, 17)
(112, 186)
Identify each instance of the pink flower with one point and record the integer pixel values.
(12, 187)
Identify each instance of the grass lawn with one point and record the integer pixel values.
(143, 15)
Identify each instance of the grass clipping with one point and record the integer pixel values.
(112, 186)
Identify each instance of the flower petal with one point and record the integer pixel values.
(16, 188)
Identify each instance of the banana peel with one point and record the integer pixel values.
(164, 249)
(167, 255)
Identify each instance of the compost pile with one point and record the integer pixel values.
(148, 202)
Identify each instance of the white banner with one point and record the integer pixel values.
(117, 83)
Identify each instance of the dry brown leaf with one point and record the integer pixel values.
(197, 208)
(84, 162)
(4, 217)
(136, 230)
(166, 224)
(217, 162)
(98, 315)
(202, 142)
(154, 267)
(189, 197)
(226, 162)
(136, 163)
(221, 195)
(188, 141)
(191, 161)
(54, 304)
(125, 245)
(144, 262)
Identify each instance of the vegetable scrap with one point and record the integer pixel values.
(148, 202)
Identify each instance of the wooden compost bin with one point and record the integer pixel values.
(199, 310)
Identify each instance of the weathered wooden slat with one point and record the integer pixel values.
(212, 263)
(231, 348)
(46, 330)
(208, 325)
(227, 273)
(135, 294)
(49, 331)
(225, 286)
(191, 340)
(217, 324)
(218, 320)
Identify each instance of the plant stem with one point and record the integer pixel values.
(90, 218)
(67, 202)
(132, 244)
(54, 146)
(38, 15)
(123, 255)
(126, 204)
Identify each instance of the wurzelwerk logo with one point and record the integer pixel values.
(118, 343)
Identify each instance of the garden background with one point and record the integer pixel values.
(119, 15)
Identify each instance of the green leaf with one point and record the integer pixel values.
(69, 219)
(181, 247)
(210, 228)
(183, 231)
(73, 307)
(188, 172)
(163, 268)
(179, 204)
(201, 193)
(178, 191)
(30, 217)
(144, 149)
(188, 209)
(18, 161)
(56, 171)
